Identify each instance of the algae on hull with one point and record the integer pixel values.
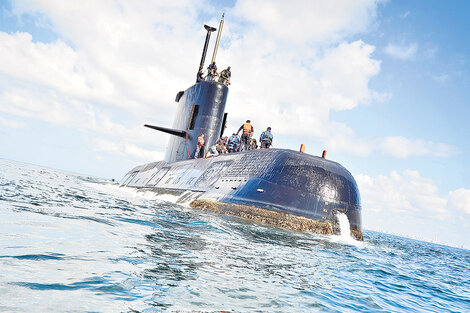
(269, 217)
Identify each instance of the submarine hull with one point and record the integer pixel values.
(273, 186)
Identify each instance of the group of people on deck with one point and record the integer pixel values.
(249, 143)
(235, 143)
(212, 74)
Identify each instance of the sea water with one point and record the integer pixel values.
(71, 243)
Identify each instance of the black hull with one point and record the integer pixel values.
(276, 184)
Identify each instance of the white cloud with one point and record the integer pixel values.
(408, 203)
(302, 20)
(126, 149)
(402, 52)
(460, 199)
(11, 123)
(49, 65)
(403, 148)
(144, 154)
(342, 138)
(307, 90)
(286, 80)
(344, 75)
(55, 108)
(117, 66)
(135, 56)
(59, 67)
(407, 193)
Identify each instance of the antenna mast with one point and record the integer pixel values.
(218, 38)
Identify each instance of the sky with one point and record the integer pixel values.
(383, 86)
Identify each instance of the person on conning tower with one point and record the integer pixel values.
(246, 135)
(200, 76)
(212, 71)
(225, 76)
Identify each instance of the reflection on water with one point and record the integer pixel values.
(71, 243)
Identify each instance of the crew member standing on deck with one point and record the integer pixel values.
(233, 143)
(266, 138)
(246, 135)
(200, 146)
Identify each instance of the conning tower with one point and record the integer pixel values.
(200, 111)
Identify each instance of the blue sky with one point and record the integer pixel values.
(381, 85)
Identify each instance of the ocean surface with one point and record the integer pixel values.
(71, 243)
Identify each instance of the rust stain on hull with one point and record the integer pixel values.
(264, 216)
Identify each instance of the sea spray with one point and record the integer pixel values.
(344, 227)
(345, 231)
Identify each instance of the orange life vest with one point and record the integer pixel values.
(247, 128)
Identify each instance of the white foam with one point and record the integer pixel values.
(162, 197)
(112, 188)
(344, 226)
(345, 231)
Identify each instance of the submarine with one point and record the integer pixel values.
(279, 187)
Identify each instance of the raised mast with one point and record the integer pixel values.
(218, 38)
(206, 43)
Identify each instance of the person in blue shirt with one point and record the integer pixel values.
(233, 143)
(266, 138)
(212, 71)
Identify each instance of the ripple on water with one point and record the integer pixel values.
(85, 244)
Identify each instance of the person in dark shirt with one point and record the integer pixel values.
(200, 75)
(212, 71)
